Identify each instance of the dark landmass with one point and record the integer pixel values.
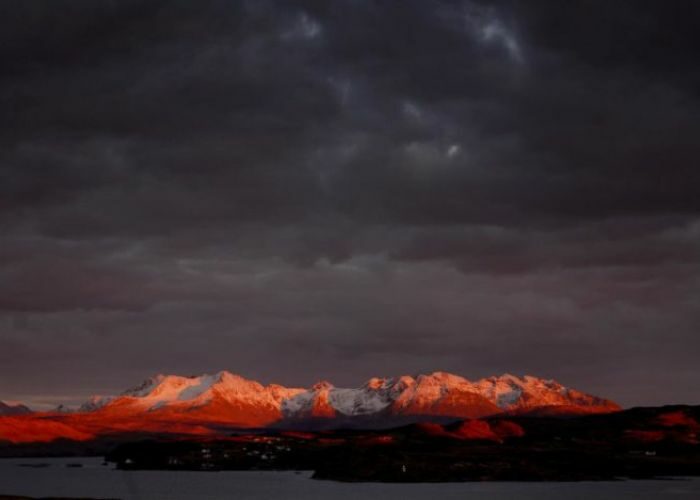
(637, 443)
(18, 409)
(64, 448)
(12, 497)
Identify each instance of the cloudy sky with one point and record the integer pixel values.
(304, 190)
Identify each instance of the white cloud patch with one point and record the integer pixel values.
(491, 30)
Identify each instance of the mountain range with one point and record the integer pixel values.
(218, 403)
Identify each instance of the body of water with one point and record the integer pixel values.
(59, 477)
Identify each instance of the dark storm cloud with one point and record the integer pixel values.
(338, 189)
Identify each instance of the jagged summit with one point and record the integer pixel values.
(513, 393)
(437, 393)
(322, 385)
(196, 394)
(209, 404)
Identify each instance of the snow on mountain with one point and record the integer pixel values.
(163, 390)
(208, 405)
(13, 409)
(173, 390)
(513, 393)
(436, 394)
(95, 403)
(325, 400)
(222, 397)
(441, 394)
(226, 397)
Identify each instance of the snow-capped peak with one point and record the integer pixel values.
(163, 391)
(510, 392)
(442, 378)
(437, 393)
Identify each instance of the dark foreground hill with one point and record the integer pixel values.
(637, 443)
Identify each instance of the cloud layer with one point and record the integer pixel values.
(348, 189)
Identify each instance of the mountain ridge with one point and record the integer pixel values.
(209, 404)
(404, 394)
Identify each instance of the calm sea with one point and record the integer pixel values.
(54, 477)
